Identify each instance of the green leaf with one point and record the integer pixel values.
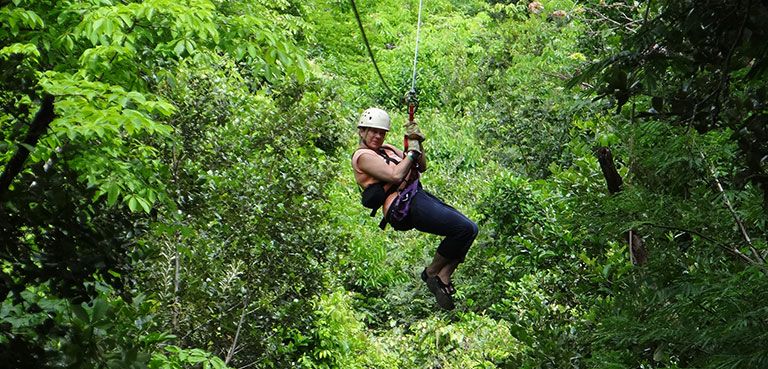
(133, 204)
(108, 27)
(99, 309)
(14, 26)
(29, 147)
(157, 337)
(80, 313)
(144, 204)
(137, 97)
(113, 191)
(97, 25)
(69, 43)
(18, 48)
(197, 356)
(179, 49)
(190, 46)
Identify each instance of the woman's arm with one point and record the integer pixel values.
(422, 158)
(378, 168)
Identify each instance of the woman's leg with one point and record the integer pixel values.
(439, 262)
(428, 214)
(445, 275)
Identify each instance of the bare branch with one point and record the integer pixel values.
(176, 283)
(735, 215)
(730, 249)
(37, 128)
(232, 349)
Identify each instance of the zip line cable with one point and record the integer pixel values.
(416, 51)
(373, 59)
(368, 46)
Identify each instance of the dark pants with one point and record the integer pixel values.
(429, 214)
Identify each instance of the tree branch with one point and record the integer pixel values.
(237, 333)
(37, 128)
(176, 283)
(735, 215)
(732, 250)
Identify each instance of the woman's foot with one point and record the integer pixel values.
(440, 290)
(450, 288)
(449, 285)
(445, 274)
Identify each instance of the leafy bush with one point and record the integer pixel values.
(42, 330)
(249, 172)
(683, 314)
(526, 114)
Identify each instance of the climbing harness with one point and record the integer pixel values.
(401, 206)
(375, 195)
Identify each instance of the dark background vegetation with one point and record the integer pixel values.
(175, 188)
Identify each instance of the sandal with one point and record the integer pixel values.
(449, 288)
(440, 290)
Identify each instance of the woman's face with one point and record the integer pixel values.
(373, 137)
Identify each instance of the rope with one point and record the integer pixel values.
(368, 46)
(416, 51)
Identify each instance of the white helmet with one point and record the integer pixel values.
(374, 118)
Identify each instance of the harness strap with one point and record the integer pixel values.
(393, 188)
(383, 222)
(386, 157)
(390, 191)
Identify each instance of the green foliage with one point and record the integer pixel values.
(44, 330)
(468, 340)
(693, 315)
(696, 65)
(105, 125)
(104, 63)
(192, 205)
(248, 227)
(528, 115)
(541, 282)
(338, 339)
(184, 358)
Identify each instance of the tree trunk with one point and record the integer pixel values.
(638, 254)
(612, 177)
(37, 128)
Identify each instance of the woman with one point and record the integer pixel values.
(386, 173)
